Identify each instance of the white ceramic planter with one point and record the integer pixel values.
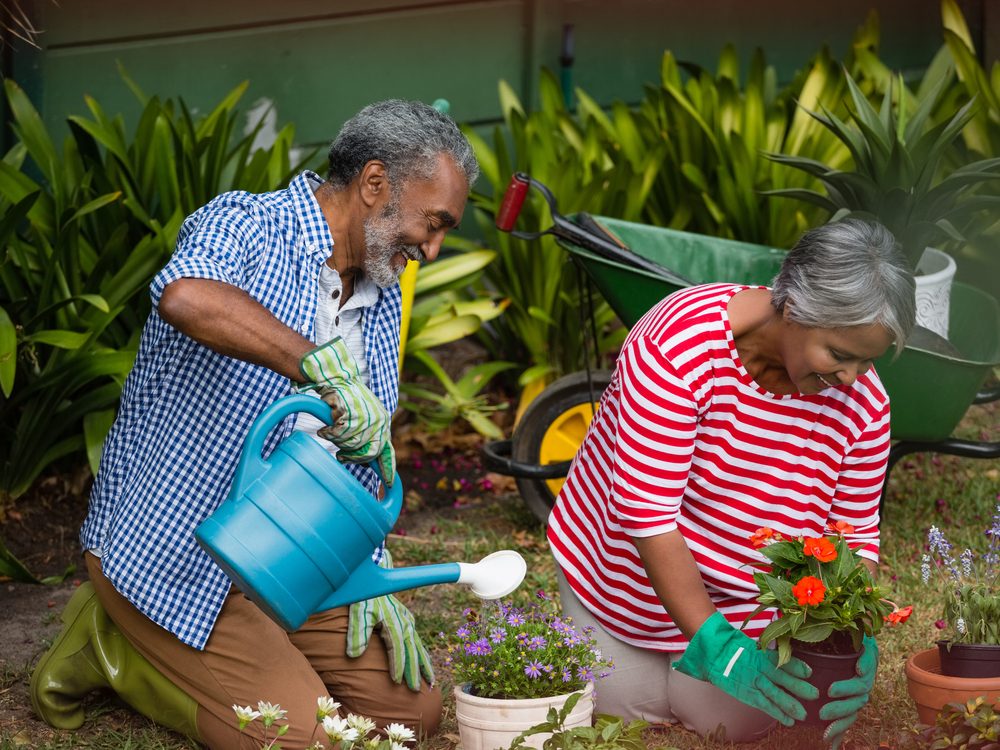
(935, 273)
(491, 723)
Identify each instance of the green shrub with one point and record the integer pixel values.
(84, 230)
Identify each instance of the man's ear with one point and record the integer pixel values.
(373, 183)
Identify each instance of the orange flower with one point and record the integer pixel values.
(809, 591)
(761, 537)
(899, 616)
(819, 547)
(840, 527)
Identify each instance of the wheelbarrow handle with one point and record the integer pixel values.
(513, 201)
(497, 457)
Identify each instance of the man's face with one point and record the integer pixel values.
(413, 223)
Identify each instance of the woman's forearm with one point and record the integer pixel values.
(676, 579)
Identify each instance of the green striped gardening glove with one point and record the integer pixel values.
(360, 428)
(408, 658)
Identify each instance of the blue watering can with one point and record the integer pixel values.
(297, 531)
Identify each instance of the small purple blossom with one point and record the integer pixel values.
(537, 643)
(516, 619)
(533, 670)
(585, 673)
(567, 675)
(497, 635)
(463, 632)
(479, 648)
(966, 557)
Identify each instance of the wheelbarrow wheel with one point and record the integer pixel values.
(551, 430)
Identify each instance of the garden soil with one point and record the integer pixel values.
(441, 472)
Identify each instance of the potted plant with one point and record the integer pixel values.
(966, 664)
(512, 664)
(901, 177)
(826, 603)
(974, 725)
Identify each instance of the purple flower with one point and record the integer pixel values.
(567, 675)
(463, 632)
(533, 670)
(572, 640)
(536, 643)
(479, 648)
(522, 638)
(497, 635)
(542, 595)
(515, 619)
(585, 673)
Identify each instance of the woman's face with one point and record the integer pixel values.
(821, 358)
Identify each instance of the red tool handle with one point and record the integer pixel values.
(513, 199)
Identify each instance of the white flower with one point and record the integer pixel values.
(397, 746)
(398, 733)
(338, 730)
(363, 724)
(325, 705)
(270, 712)
(245, 715)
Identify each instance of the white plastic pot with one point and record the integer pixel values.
(935, 272)
(490, 723)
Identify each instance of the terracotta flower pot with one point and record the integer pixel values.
(931, 690)
(489, 723)
(826, 670)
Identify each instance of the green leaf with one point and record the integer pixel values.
(452, 330)
(8, 353)
(447, 271)
(32, 131)
(814, 632)
(60, 339)
(94, 205)
(96, 426)
(13, 568)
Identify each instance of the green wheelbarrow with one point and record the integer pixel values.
(634, 266)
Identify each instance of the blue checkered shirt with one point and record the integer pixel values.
(185, 410)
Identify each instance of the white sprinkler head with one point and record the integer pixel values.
(494, 576)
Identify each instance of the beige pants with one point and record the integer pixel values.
(643, 686)
(250, 658)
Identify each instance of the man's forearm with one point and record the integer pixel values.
(229, 321)
(676, 579)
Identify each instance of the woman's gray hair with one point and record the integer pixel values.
(405, 136)
(848, 273)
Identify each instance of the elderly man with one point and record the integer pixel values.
(264, 294)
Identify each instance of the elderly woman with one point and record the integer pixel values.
(732, 408)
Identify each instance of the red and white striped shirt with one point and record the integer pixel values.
(686, 439)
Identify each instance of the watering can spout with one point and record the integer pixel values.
(494, 576)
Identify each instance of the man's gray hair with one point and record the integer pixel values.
(405, 136)
(848, 273)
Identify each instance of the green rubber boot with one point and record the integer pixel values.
(92, 653)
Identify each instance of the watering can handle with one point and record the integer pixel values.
(252, 465)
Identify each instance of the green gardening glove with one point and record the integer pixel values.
(854, 693)
(360, 423)
(730, 660)
(407, 656)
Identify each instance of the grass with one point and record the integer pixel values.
(958, 495)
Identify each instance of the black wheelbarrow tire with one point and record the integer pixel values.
(554, 416)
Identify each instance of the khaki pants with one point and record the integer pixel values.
(250, 658)
(643, 686)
